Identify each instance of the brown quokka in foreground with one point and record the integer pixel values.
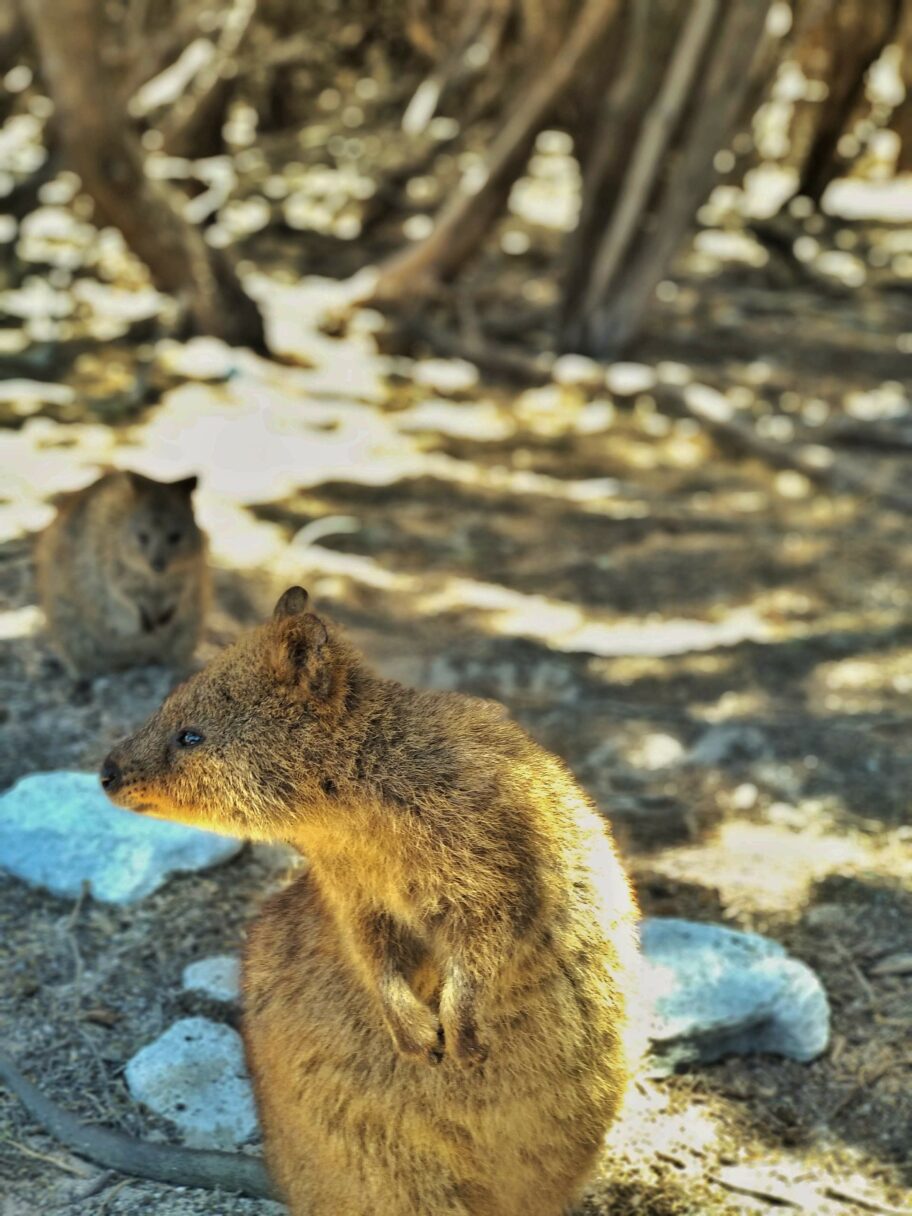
(122, 574)
(436, 1011)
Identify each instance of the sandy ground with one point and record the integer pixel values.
(624, 586)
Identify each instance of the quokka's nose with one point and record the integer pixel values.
(159, 564)
(110, 776)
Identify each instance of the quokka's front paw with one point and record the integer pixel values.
(420, 1036)
(463, 1044)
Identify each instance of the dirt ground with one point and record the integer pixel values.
(721, 650)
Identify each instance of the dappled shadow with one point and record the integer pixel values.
(603, 726)
(633, 1198)
(721, 655)
(590, 709)
(641, 562)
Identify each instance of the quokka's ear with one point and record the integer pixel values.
(290, 603)
(137, 481)
(299, 653)
(186, 486)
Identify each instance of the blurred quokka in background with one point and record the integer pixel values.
(122, 574)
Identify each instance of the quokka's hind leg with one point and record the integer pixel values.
(326, 1184)
(336, 1141)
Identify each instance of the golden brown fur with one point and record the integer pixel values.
(436, 1012)
(122, 574)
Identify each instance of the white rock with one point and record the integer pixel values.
(578, 370)
(628, 379)
(58, 830)
(715, 992)
(194, 1074)
(218, 977)
(446, 375)
(198, 359)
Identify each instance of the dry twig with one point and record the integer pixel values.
(778, 1200)
(870, 1205)
(66, 1166)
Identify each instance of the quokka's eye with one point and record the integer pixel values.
(173, 537)
(143, 537)
(189, 738)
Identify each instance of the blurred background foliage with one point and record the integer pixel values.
(406, 135)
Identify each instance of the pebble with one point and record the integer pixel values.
(446, 376)
(578, 371)
(218, 977)
(628, 379)
(195, 1076)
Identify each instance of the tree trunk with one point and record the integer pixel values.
(12, 34)
(901, 119)
(844, 40)
(604, 150)
(670, 172)
(465, 221)
(104, 152)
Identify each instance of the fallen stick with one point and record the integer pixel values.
(168, 1163)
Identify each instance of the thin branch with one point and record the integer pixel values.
(658, 128)
(775, 1198)
(80, 1171)
(820, 465)
(870, 1205)
(195, 107)
(464, 221)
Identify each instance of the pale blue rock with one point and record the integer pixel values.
(195, 1076)
(58, 830)
(716, 992)
(218, 977)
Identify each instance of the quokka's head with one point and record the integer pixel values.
(158, 527)
(245, 745)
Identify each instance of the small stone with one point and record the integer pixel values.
(194, 1074)
(579, 371)
(894, 964)
(629, 379)
(218, 977)
(446, 376)
(656, 751)
(728, 743)
(715, 992)
(199, 359)
(744, 796)
(59, 831)
(826, 916)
